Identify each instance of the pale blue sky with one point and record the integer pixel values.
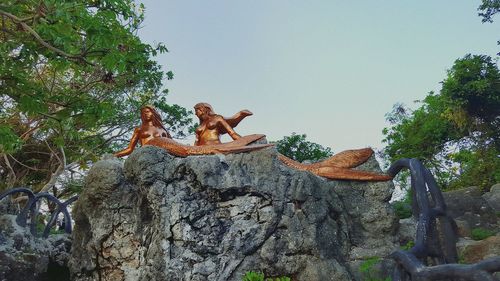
(329, 69)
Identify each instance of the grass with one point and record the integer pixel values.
(408, 245)
(370, 272)
(402, 209)
(259, 276)
(481, 233)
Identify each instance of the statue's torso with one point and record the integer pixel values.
(148, 133)
(208, 133)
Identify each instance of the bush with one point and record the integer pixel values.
(402, 209)
(481, 233)
(258, 276)
(253, 276)
(369, 272)
(408, 246)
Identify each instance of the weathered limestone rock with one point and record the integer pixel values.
(475, 251)
(407, 230)
(493, 198)
(27, 258)
(159, 217)
(470, 207)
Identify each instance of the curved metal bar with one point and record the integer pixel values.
(436, 194)
(61, 208)
(52, 221)
(398, 166)
(481, 271)
(433, 242)
(22, 217)
(67, 216)
(31, 207)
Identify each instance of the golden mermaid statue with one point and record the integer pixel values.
(152, 132)
(212, 126)
(336, 167)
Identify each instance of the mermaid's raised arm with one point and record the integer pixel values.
(222, 122)
(131, 145)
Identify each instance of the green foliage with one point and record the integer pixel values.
(73, 76)
(402, 209)
(481, 233)
(370, 272)
(253, 276)
(9, 141)
(408, 245)
(258, 276)
(456, 133)
(488, 9)
(299, 149)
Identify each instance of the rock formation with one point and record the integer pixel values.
(160, 217)
(27, 258)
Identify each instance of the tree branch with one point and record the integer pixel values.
(10, 168)
(58, 172)
(40, 40)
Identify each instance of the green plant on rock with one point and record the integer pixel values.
(253, 276)
(481, 233)
(403, 208)
(369, 271)
(408, 245)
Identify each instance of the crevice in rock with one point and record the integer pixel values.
(56, 272)
(232, 193)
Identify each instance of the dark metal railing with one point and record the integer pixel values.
(30, 210)
(434, 256)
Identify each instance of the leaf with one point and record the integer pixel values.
(9, 141)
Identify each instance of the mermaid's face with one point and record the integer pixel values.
(146, 114)
(200, 112)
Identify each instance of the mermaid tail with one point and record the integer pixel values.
(236, 146)
(347, 158)
(348, 174)
(335, 167)
(338, 166)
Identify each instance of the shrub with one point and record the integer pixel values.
(253, 276)
(369, 272)
(408, 245)
(402, 209)
(481, 233)
(258, 276)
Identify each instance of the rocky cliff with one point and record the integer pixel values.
(159, 217)
(28, 258)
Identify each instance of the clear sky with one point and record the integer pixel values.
(330, 69)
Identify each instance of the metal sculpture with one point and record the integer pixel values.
(31, 208)
(338, 166)
(152, 132)
(434, 256)
(212, 125)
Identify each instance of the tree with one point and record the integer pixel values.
(299, 149)
(488, 9)
(73, 76)
(456, 132)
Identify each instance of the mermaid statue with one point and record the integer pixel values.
(212, 126)
(152, 132)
